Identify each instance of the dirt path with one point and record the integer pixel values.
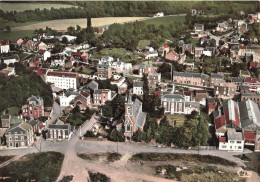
(11, 160)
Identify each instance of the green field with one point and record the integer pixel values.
(15, 34)
(165, 20)
(12, 24)
(30, 6)
(143, 43)
(114, 52)
(14, 111)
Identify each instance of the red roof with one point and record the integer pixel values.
(61, 74)
(42, 71)
(84, 94)
(77, 53)
(205, 37)
(200, 91)
(33, 68)
(175, 53)
(41, 51)
(249, 137)
(211, 106)
(242, 47)
(237, 122)
(187, 93)
(222, 139)
(25, 41)
(165, 46)
(37, 43)
(220, 121)
(158, 93)
(252, 64)
(4, 42)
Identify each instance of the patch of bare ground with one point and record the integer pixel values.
(104, 157)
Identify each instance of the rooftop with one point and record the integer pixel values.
(235, 136)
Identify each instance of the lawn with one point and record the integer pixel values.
(115, 52)
(31, 6)
(143, 43)
(165, 20)
(12, 24)
(44, 166)
(253, 161)
(5, 158)
(176, 119)
(15, 34)
(14, 111)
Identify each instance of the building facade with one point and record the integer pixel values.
(34, 107)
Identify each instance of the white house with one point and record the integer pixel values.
(45, 54)
(10, 59)
(118, 82)
(69, 37)
(58, 61)
(106, 60)
(4, 45)
(233, 142)
(159, 14)
(138, 88)
(67, 98)
(64, 80)
(151, 54)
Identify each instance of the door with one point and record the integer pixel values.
(16, 145)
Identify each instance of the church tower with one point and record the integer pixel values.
(128, 123)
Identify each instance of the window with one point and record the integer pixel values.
(232, 142)
(16, 138)
(10, 144)
(128, 110)
(239, 147)
(22, 138)
(10, 138)
(128, 127)
(223, 146)
(238, 141)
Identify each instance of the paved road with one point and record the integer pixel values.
(56, 113)
(217, 38)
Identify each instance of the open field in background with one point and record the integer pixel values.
(31, 6)
(166, 20)
(15, 34)
(63, 24)
(12, 24)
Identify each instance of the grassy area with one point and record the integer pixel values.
(253, 161)
(87, 71)
(44, 166)
(195, 43)
(31, 6)
(98, 177)
(14, 111)
(143, 43)
(197, 173)
(12, 24)
(182, 157)
(115, 52)
(15, 34)
(5, 158)
(165, 20)
(176, 119)
(108, 157)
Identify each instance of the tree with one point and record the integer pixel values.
(8, 28)
(116, 136)
(65, 40)
(164, 133)
(3, 66)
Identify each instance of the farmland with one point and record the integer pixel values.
(63, 24)
(31, 6)
(15, 34)
(166, 20)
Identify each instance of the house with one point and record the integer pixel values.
(4, 47)
(222, 27)
(187, 47)
(34, 107)
(41, 46)
(253, 83)
(69, 37)
(118, 82)
(233, 142)
(162, 51)
(59, 132)
(35, 126)
(150, 54)
(80, 55)
(173, 103)
(18, 41)
(67, 97)
(172, 56)
(83, 100)
(64, 80)
(10, 59)
(201, 96)
(198, 27)
(104, 71)
(138, 88)
(220, 126)
(209, 51)
(191, 106)
(106, 60)
(198, 51)
(190, 78)
(100, 96)
(216, 78)
(232, 114)
(251, 96)
(122, 88)
(93, 85)
(28, 45)
(224, 89)
(44, 54)
(58, 60)
(249, 116)
(134, 118)
(154, 78)
(244, 89)
(8, 71)
(159, 14)
(19, 135)
(211, 108)
(238, 81)
(5, 121)
(252, 18)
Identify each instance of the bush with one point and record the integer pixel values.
(67, 178)
(98, 177)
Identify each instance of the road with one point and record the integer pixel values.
(56, 113)
(217, 38)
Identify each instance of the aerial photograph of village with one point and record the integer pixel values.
(129, 91)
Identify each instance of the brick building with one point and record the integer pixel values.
(104, 71)
(34, 107)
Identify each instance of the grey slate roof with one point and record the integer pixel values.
(192, 104)
(235, 136)
(136, 105)
(102, 66)
(173, 97)
(237, 79)
(250, 94)
(92, 85)
(69, 93)
(189, 74)
(141, 119)
(56, 126)
(217, 75)
(138, 84)
(98, 91)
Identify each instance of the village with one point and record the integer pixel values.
(211, 83)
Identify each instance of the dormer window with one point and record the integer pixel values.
(128, 127)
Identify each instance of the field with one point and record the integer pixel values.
(31, 6)
(165, 20)
(12, 24)
(115, 52)
(63, 24)
(15, 34)
(34, 167)
(176, 119)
